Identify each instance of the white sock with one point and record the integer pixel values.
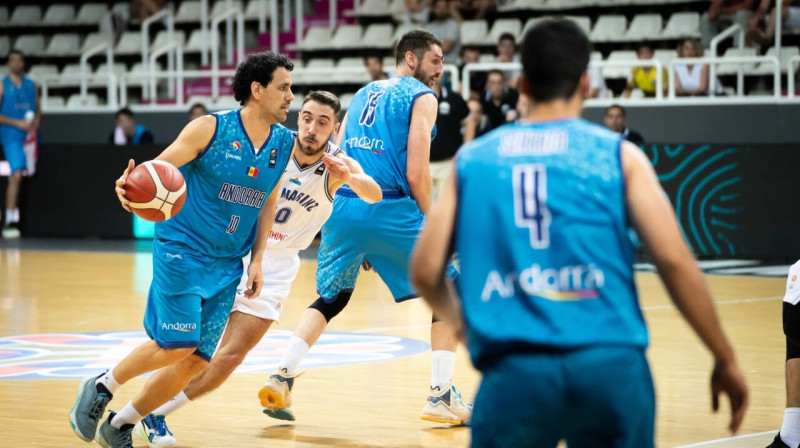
(790, 430)
(444, 362)
(9, 216)
(16, 215)
(295, 352)
(109, 382)
(173, 405)
(128, 414)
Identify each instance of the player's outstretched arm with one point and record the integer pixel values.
(654, 220)
(345, 170)
(191, 142)
(423, 118)
(431, 254)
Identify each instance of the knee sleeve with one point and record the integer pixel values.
(330, 310)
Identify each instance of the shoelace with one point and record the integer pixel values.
(124, 436)
(160, 425)
(98, 405)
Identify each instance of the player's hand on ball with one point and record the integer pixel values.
(120, 185)
(727, 378)
(337, 168)
(255, 280)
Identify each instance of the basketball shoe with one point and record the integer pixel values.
(276, 394)
(111, 437)
(778, 442)
(89, 408)
(11, 231)
(446, 406)
(153, 430)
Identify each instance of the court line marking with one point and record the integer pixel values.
(644, 308)
(727, 439)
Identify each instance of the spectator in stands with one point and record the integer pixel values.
(143, 9)
(197, 110)
(762, 25)
(597, 83)
(476, 123)
(507, 52)
(615, 119)
(499, 101)
(446, 29)
(374, 66)
(20, 115)
(644, 78)
(692, 79)
(477, 79)
(462, 10)
(128, 132)
(417, 11)
(450, 120)
(723, 13)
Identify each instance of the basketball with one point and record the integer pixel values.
(156, 190)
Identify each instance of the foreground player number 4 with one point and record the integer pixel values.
(530, 203)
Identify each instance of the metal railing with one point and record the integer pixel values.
(215, 44)
(165, 13)
(170, 48)
(85, 72)
(712, 74)
(790, 76)
(776, 73)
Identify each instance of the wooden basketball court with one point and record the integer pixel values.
(375, 403)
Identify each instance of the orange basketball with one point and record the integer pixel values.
(156, 190)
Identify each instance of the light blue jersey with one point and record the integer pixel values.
(546, 261)
(376, 131)
(227, 185)
(15, 103)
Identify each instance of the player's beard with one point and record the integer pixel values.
(427, 80)
(309, 150)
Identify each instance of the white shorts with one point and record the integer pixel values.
(792, 295)
(280, 270)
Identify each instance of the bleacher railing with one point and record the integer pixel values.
(86, 71)
(168, 15)
(237, 13)
(712, 72)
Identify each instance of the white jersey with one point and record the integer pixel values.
(303, 206)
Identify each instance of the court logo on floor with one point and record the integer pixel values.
(76, 355)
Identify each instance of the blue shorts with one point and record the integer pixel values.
(589, 397)
(384, 233)
(190, 298)
(13, 149)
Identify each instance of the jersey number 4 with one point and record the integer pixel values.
(530, 203)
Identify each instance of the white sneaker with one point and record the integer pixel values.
(276, 394)
(11, 232)
(153, 430)
(446, 406)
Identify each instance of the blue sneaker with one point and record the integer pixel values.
(445, 405)
(88, 409)
(110, 437)
(153, 430)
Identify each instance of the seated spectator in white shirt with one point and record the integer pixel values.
(597, 83)
(692, 79)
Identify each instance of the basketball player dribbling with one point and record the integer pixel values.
(309, 184)
(538, 212)
(232, 163)
(388, 130)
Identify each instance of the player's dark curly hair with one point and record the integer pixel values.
(257, 67)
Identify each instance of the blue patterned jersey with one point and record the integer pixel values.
(226, 187)
(542, 234)
(16, 102)
(376, 131)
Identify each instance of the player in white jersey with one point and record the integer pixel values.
(310, 182)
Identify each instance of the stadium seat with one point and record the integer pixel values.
(3, 15)
(526, 4)
(54, 102)
(59, 14)
(100, 76)
(665, 56)
(403, 28)
(63, 44)
(40, 71)
(317, 37)
(122, 9)
(346, 36)
(5, 44)
(162, 38)
(345, 99)
(221, 6)
(370, 8)
(473, 32)
(188, 11)
(787, 53)
(93, 40)
(195, 42)
(251, 11)
(583, 22)
(502, 26)
(528, 25)
(26, 15)
(91, 13)
(608, 28)
(75, 101)
(351, 77)
(682, 24)
(486, 58)
(30, 44)
(730, 68)
(129, 43)
(70, 75)
(619, 72)
(644, 27)
(378, 35)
